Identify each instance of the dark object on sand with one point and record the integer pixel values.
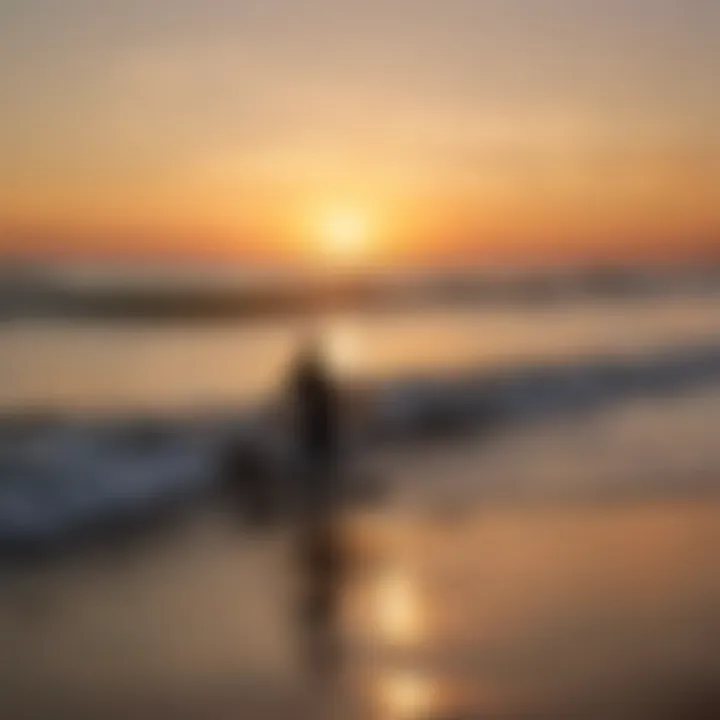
(322, 564)
(321, 559)
(247, 483)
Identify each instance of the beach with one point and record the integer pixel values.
(541, 540)
(359, 360)
(486, 584)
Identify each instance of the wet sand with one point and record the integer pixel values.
(575, 612)
(595, 611)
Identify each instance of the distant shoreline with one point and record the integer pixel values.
(48, 298)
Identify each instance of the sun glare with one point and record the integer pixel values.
(344, 234)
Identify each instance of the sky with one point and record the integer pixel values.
(390, 130)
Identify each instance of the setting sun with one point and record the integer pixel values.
(344, 234)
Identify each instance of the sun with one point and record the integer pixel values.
(344, 234)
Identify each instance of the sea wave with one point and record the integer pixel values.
(62, 475)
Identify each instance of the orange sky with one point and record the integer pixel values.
(563, 128)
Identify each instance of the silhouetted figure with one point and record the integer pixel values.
(319, 552)
(316, 427)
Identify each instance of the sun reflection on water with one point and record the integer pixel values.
(406, 695)
(398, 612)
